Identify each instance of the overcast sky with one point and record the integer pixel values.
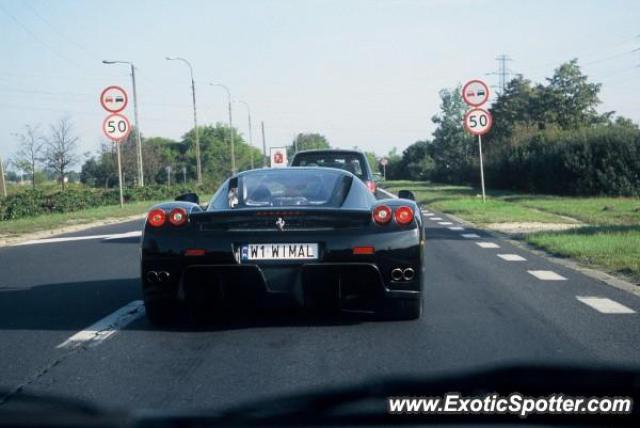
(363, 73)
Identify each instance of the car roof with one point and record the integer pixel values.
(296, 168)
(329, 151)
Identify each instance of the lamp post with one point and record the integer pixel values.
(195, 116)
(135, 114)
(246, 104)
(233, 150)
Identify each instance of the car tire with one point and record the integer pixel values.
(404, 310)
(161, 311)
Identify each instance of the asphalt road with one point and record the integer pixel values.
(480, 310)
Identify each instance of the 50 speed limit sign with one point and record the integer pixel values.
(116, 127)
(478, 121)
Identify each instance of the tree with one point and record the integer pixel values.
(61, 148)
(452, 149)
(29, 153)
(307, 142)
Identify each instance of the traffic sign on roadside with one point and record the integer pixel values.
(475, 93)
(278, 157)
(478, 121)
(384, 161)
(116, 127)
(114, 99)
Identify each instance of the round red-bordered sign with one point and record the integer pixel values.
(478, 121)
(116, 127)
(114, 99)
(475, 93)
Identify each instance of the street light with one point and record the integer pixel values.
(233, 150)
(246, 104)
(195, 117)
(135, 113)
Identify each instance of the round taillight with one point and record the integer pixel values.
(178, 216)
(382, 214)
(403, 215)
(157, 217)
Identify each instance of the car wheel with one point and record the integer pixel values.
(161, 311)
(404, 310)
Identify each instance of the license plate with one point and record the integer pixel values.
(279, 251)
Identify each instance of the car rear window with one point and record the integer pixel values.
(287, 187)
(347, 162)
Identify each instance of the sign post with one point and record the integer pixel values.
(117, 128)
(384, 162)
(477, 121)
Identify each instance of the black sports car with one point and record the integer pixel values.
(315, 237)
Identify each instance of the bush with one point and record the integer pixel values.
(602, 160)
(29, 203)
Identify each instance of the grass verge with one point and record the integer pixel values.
(608, 236)
(12, 228)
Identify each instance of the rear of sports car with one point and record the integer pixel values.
(336, 258)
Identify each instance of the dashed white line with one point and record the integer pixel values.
(512, 257)
(106, 327)
(487, 245)
(456, 228)
(470, 235)
(445, 223)
(430, 215)
(605, 306)
(436, 218)
(547, 275)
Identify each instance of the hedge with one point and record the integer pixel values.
(601, 160)
(29, 203)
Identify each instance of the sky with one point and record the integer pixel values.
(365, 74)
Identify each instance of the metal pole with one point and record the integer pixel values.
(233, 149)
(184, 174)
(384, 171)
(138, 137)
(119, 172)
(264, 146)
(195, 117)
(484, 198)
(4, 185)
(246, 104)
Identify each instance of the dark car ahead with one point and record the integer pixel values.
(353, 161)
(310, 236)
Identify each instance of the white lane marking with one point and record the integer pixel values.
(604, 305)
(389, 195)
(456, 228)
(470, 235)
(512, 257)
(547, 275)
(425, 212)
(487, 245)
(106, 327)
(445, 223)
(436, 218)
(132, 234)
(82, 238)
(430, 215)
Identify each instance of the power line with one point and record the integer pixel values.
(503, 73)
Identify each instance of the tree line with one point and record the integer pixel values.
(546, 137)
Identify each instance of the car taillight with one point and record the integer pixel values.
(178, 216)
(157, 217)
(403, 215)
(372, 186)
(382, 214)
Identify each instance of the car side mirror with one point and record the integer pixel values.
(189, 197)
(406, 194)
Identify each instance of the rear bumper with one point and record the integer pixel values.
(350, 286)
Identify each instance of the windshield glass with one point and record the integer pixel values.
(292, 188)
(348, 162)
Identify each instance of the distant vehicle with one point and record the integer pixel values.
(311, 237)
(353, 161)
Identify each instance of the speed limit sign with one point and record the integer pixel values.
(478, 121)
(116, 127)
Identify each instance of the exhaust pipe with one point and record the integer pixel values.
(163, 276)
(152, 276)
(396, 274)
(408, 274)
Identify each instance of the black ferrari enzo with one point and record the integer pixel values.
(314, 237)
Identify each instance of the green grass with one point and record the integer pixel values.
(52, 221)
(609, 237)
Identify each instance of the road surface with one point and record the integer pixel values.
(71, 324)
